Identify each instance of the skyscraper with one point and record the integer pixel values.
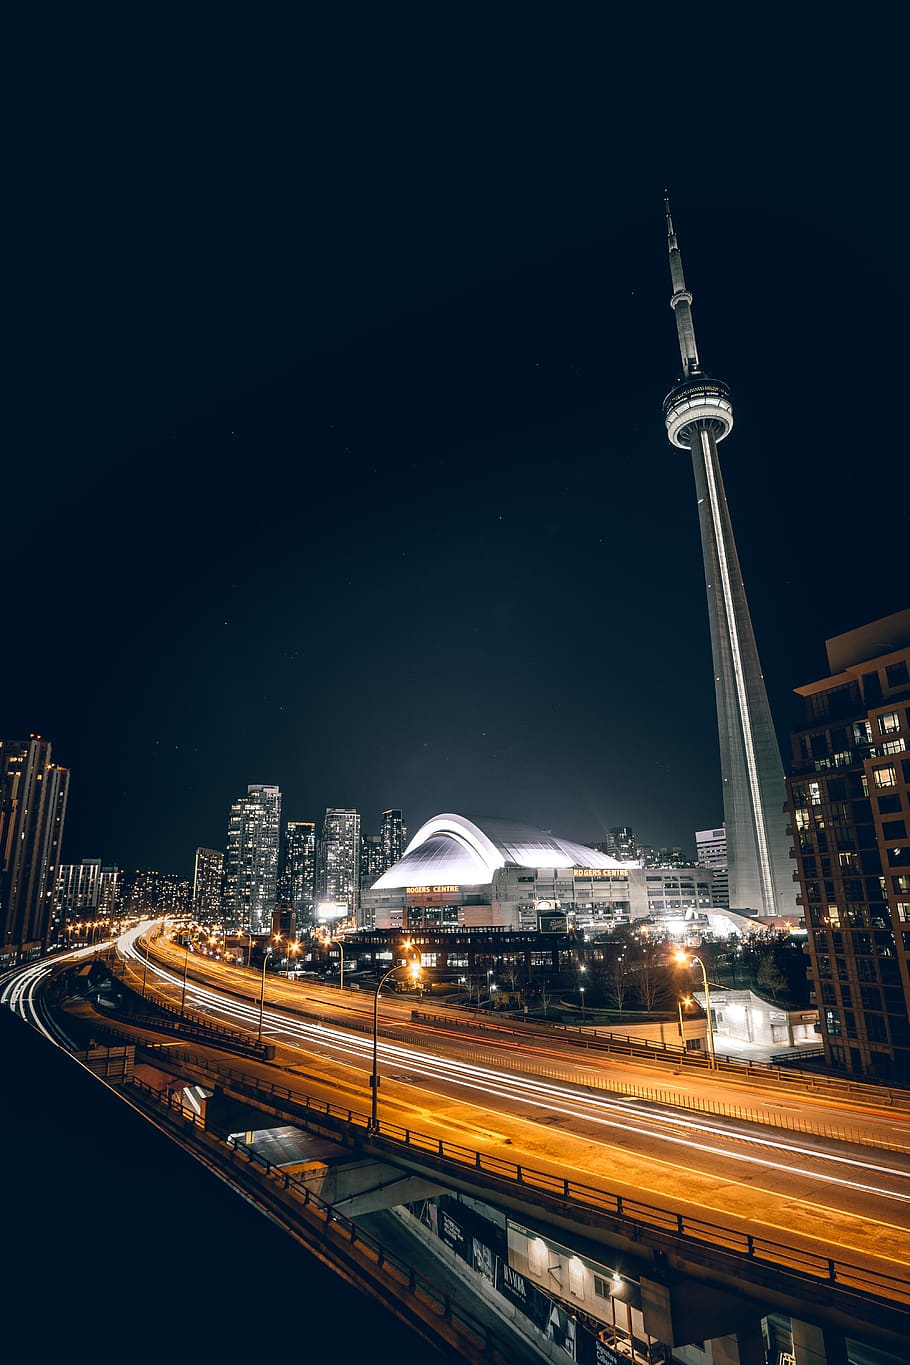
(338, 878)
(251, 860)
(298, 877)
(699, 413)
(33, 793)
(84, 890)
(393, 836)
(371, 861)
(850, 815)
(208, 884)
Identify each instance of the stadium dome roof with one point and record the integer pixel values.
(451, 849)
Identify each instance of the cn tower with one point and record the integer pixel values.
(699, 414)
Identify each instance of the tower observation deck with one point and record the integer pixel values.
(698, 412)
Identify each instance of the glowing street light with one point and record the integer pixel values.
(687, 1001)
(413, 967)
(340, 946)
(690, 959)
(581, 992)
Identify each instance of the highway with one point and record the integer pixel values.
(550, 1109)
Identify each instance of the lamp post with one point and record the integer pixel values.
(186, 959)
(687, 1001)
(414, 968)
(691, 959)
(340, 946)
(265, 960)
(581, 992)
(145, 970)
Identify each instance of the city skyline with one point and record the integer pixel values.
(378, 507)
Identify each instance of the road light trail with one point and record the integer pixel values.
(608, 1113)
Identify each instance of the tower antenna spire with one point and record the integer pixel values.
(681, 301)
(698, 412)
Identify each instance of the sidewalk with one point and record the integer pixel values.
(731, 1049)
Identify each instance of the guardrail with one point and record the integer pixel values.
(475, 1338)
(632, 1216)
(653, 1049)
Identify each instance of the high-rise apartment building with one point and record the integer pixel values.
(393, 838)
(338, 867)
(208, 885)
(85, 890)
(698, 412)
(251, 860)
(298, 875)
(849, 811)
(711, 851)
(370, 860)
(620, 844)
(33, 794)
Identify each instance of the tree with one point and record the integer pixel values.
(769, 976)
(648, 965)
(616, 979)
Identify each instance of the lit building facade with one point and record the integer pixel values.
(849, 810)
(298, 875)
(620, 843)
(208, 885)
(393, 837)
(338, 868)
(251, 860)
(33, 796)
(460, 874)
(372, 864)
(84, 890)
(698, 412)
(711, 852)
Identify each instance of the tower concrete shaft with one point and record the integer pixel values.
(699, 414)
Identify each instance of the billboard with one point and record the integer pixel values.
(332, 910)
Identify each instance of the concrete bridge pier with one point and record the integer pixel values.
(817, 1345)
(684, 1313)
(740, 1348)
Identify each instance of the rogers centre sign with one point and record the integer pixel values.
(432, 890)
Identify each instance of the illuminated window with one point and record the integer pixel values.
(815, 795)
(903, 911)
(884, 777)
(894, 746)
(889, 723)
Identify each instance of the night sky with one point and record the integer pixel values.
(335, 450)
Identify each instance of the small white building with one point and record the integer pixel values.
(742, 1017)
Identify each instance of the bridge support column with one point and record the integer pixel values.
(740, 1348)
(817, 1345)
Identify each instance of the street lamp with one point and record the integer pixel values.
(691, 960)
(186, 958)
(414, 968)
(581, 992)
(340, 946)
(265, 959)
(687, 1001)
